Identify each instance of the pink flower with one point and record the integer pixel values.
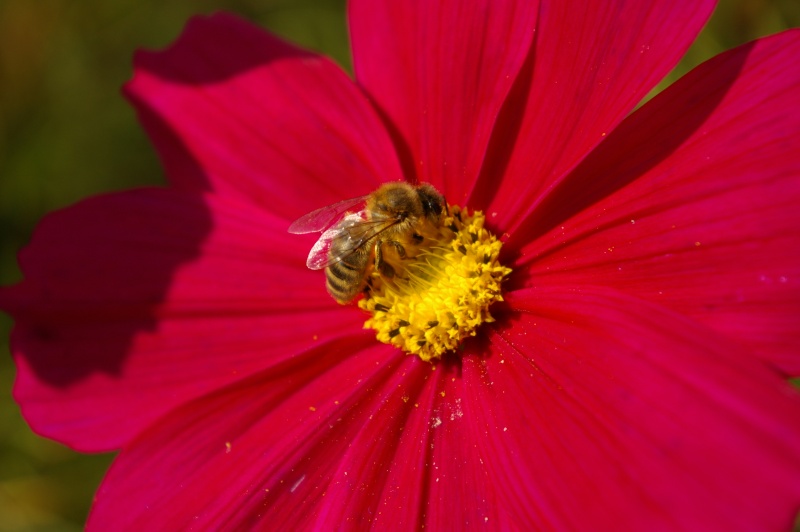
(633, 378)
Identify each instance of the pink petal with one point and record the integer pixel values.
(265, 451)
(417, 463)
(233, 109)
(458, 474)
(592, 63)
(692, 202)
(597, 408)
(440, 71)
(593, 408)
(376, 439)
(135, 303)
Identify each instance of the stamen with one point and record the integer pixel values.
(442, 289)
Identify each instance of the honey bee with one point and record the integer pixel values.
(354, 243)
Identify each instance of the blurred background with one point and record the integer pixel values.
(66, 133)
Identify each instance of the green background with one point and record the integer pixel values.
(66, 133)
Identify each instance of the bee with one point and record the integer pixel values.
(354, 243)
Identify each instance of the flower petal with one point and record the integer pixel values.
(270, 446)
(440, 71)
(416, 462)
(376, 439)
(592, 63)
(459, 477)
(594, 408)
(692, 202)
(238, 111)
(603, 409)
(137, 302)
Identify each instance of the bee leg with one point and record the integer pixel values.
(382, 266)
(401, 251)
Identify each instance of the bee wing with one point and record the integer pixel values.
(319, 256)
(325, 217)
(346, 237)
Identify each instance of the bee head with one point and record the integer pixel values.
(394, 201)
(432, 202)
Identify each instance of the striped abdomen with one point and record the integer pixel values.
(346, 278)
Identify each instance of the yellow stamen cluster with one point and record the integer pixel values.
(443, 293)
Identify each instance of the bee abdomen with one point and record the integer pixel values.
(345, 278)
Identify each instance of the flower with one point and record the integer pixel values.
(633, 378)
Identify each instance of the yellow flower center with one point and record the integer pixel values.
(440, 293)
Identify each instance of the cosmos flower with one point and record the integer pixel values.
(633, 376)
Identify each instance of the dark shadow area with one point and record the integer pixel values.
(208, 62)
(452, 363)
(500, 147)
(480, 345)
(641, 142)
(401, 146)
(91, 284)
(95, 277)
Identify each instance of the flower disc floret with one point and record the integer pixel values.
(443, 293)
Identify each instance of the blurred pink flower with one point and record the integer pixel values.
(634, 378)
